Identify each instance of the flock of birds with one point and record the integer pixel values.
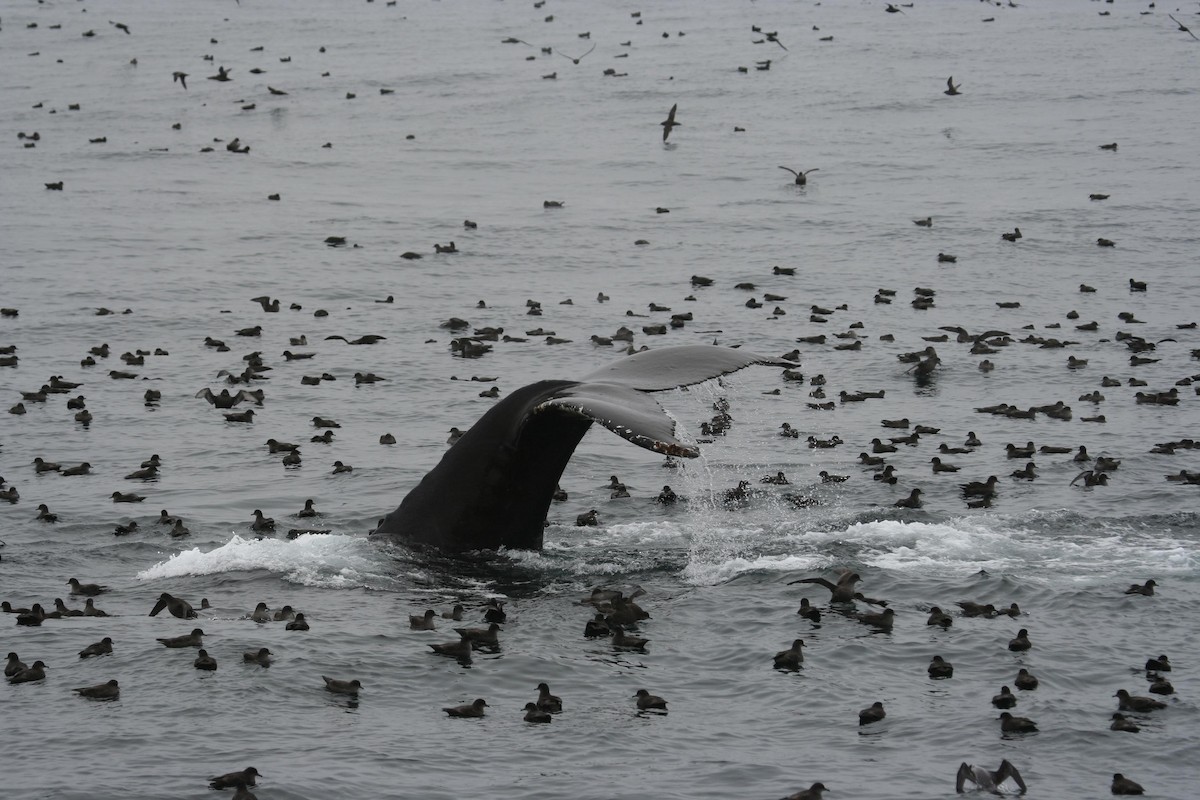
(616, 614)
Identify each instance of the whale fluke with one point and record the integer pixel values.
(493, 486)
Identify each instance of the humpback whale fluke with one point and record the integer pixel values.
(493, 487)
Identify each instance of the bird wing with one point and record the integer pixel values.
(789, 169)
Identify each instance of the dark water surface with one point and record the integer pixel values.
(182, 238)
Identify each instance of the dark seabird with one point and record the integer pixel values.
(801, 177)
(951, 89)
(88, 589)
(811, 793)
(261, 656)
(470, 710)
(14, 665)
(1160, 664)
(669, 122)
(104, 691)
(1025, 680)
(1146, 588)
(647, 701)
(460, 649)
(1006, 699)
(1188, 31)
(987, 780)
(912, 501)
(262, 523)
(1120, 723)
(35, 673)
(298, 624)
(623, 641)
(791, 658)
(843, 591)
(1011, 724)
(423, 622)
(535, 714)
(874, 713)
(940, 668)
(100, 648)
(204, 661)
(229, 780)
(193, 639)
(1020, 642)
(1123, 785)
(809, 612)
(546, 701)
(261, 613)
(342, 687)
(597, 627)
(939, 617)
(1139, 703)
(181, 77)
(882, 621)
(455, 613)
(177, 607)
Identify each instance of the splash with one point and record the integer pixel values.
(326, 561)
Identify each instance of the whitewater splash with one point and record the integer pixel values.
(325, 561)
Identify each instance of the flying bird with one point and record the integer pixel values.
(801, 177)
(951, 89)
(1184, 28)
(669, 122)
(181, 77)
(573, 58)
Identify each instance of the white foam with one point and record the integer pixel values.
(327, 561)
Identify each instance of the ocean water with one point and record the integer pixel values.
(184, 239)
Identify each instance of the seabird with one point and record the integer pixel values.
(951, 89)
(801, 177)
(987, 780)
(647, 701)
(470, 710)
(669, 122)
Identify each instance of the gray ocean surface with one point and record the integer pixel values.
(147, 221)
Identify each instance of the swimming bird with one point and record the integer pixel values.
(229, 780)
(790, 658)
(1025, 680)
(1160, 664)
(1121, 784)
(809, 612)
(1020, 642)
(204, 661)
(842, 591)
(14, 665)
(951, 89)
(1120, 723)
(100, 648)
(1146, 589)
(912, 501)
(924, 223)
(939, 617)
(882, 621)
(261, 656)
(262, 523)
(811, 793)
(871, 714)
(297, 624)
(193, 639)
(460, 650)
(801, 177)
(1138, 703)
(336, 686)
(535, 714)
(104, 691)
(1011, 724)
(546, 701)
(87, 589)
(422, 622)
(940, 668)
(35, 673)
(669, 122)
(647, 701)
(474, 709)
(987, 780)
(1006, 699)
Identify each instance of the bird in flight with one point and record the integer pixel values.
(1183, 27)
(573, 59)
(669, 122)
(951, 89)
(801, 177)
(181, 77)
